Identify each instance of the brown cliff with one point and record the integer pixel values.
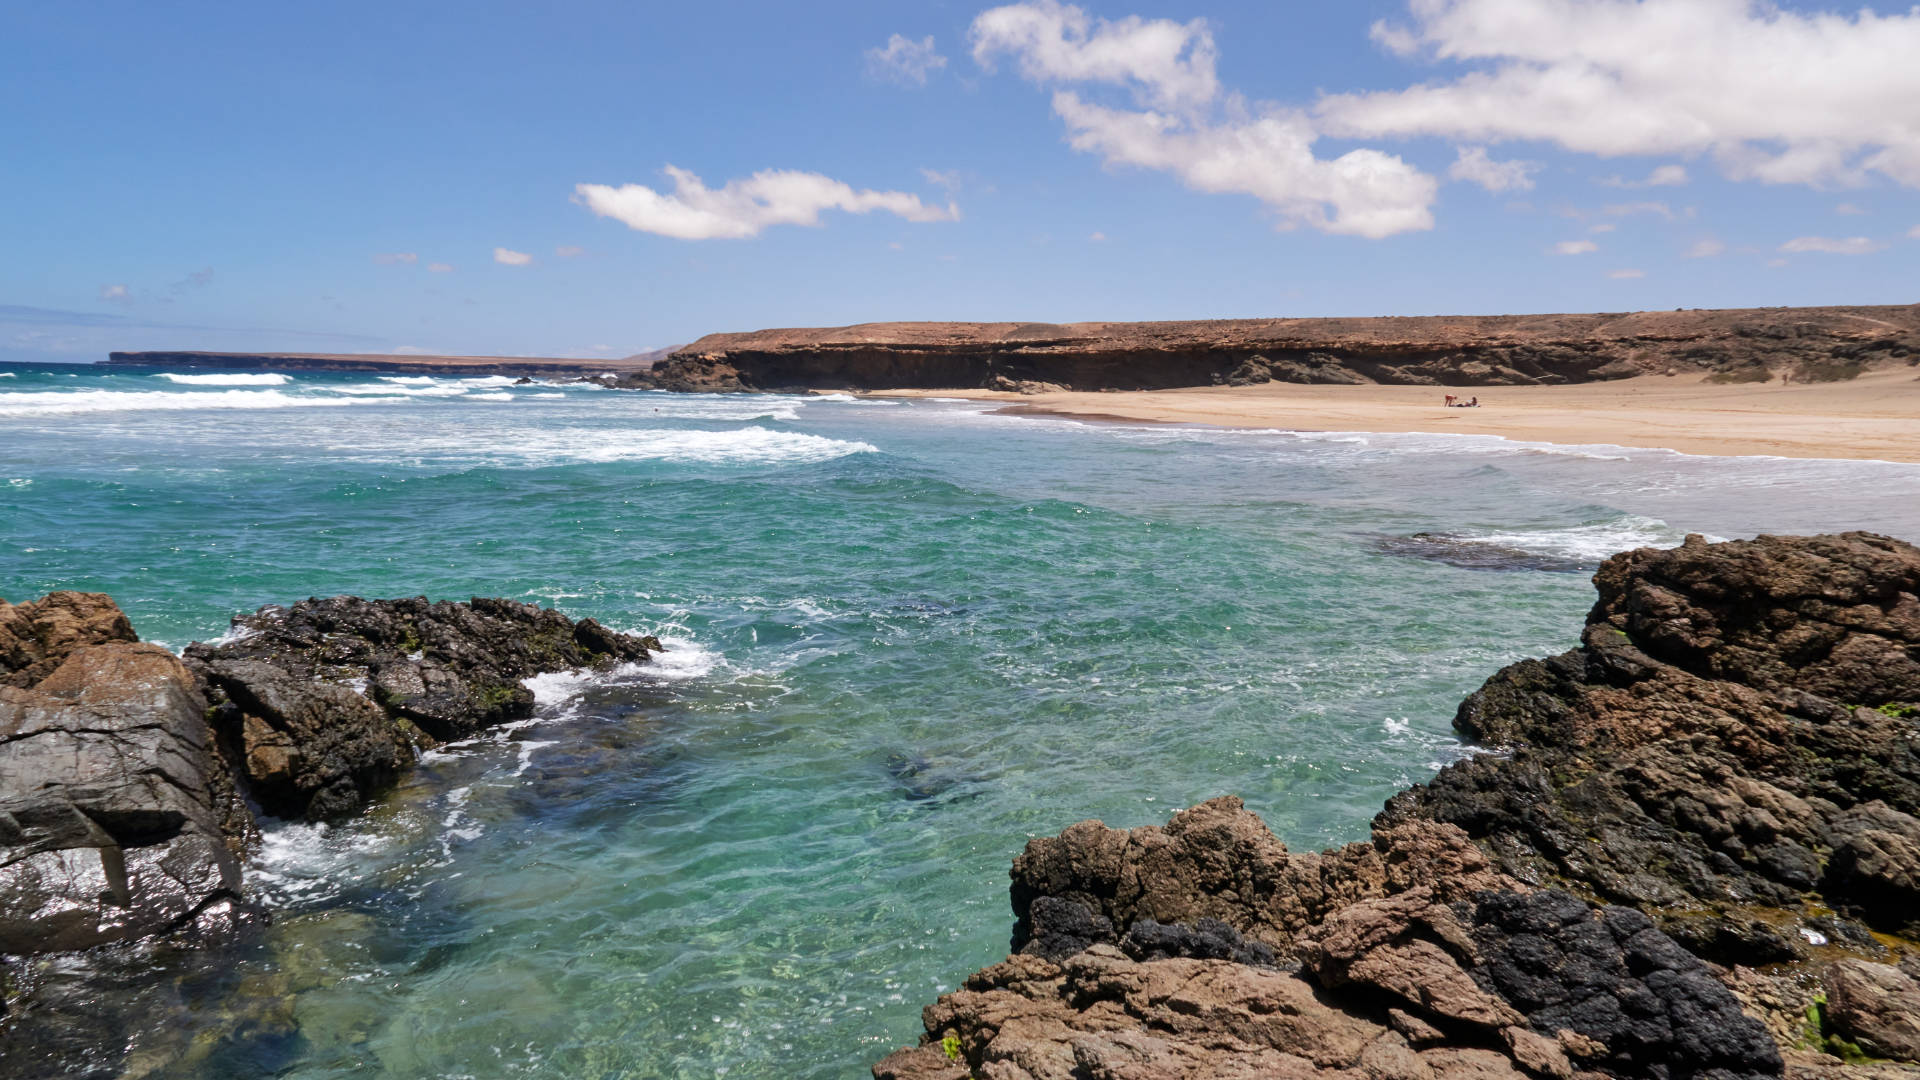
(1736, 345)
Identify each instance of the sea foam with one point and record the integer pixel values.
(227, 379)
(62, 402)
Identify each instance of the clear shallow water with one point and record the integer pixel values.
(906, 637)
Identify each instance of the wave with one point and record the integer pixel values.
(63, 402)
(426, 388)
(740, 446)
(227, 379)
(489, 397)
(1590, 543)
(8, 374)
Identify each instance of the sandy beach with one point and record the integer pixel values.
(1876, 416)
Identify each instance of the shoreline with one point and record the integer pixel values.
(1875, 417)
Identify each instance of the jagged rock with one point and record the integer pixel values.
(1737, 729)
(1734, 745)
(1877, 1007)
(320, 706)
(38, 636)
(107, 828)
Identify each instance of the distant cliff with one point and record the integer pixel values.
(1753, 345)
(400, 364)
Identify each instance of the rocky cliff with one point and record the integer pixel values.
(1692, 851)
(1736, 345)
(130, 780)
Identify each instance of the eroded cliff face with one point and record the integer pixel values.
(1695, 853)
(1807, 344)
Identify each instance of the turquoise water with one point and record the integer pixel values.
(905, 638)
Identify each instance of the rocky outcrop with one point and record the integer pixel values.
(129, 780)
(1723, 774)
(107, 825)
(1804, 344)
(323, 704)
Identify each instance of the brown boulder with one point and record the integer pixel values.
(36, 636)
(1876, 1006)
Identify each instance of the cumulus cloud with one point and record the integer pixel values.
(1706, 249)
(440, 268)
(1575, 247)
(1657, 209)
(1181, 124)
(1603, 227)
(1475, 166)
(1772, 95)
(905, 61)
(507, 257)
(1852, 245)
(949, 179)
(1849, 209)
(116, 294)
(397, 258)
(1626, 275)
(1664, 176)
(569, 251)
(742, 208)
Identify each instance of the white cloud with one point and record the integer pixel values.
(1101, 237)
(1706, 249)
(505, 257)
(1474, 165)
(949, 179)
(1626, 275)
(1849, 209)
(743, 208)
(569, 251)
(116, 294)
(1773, 95)
(1181, 125)
(1914, 233)
(1603, 227)
(904, 61)
(1168, 65)
(1575, 247)
(396, 258)
(1664, 176)
(409, 350)
(440, 268)
(1852, 245)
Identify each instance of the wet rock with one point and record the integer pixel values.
(1470, 554)
(1877, 1007)
(1061, 927)
(107, 832)
(1208, 939)
(320, 706)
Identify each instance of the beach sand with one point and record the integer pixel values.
(1875, 416)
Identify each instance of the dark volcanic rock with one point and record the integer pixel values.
(1469, 554)
(321, 705)
(1737, 729)
(107, 825)
(1734, 748)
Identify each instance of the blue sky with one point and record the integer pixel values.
(360, 177)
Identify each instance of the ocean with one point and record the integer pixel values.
(905, 637)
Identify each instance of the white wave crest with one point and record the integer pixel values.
(63, 402)
(427, 388)
(489, 397)
(409, 380)
(8, 374)
(227, 379)
(740, 446)
(1592, 542)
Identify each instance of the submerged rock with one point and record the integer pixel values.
(1470, 554)
(1733, 751)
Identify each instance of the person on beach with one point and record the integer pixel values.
(1450, 400)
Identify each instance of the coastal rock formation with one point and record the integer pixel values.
(1801, 344)
(1725, 773)
(129, 779)
(323, 704)
(107, 825)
